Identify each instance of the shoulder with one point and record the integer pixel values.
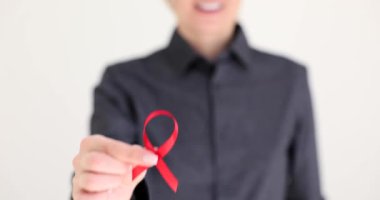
(274, 65)
(133, 66)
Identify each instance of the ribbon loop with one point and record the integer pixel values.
(160, 151)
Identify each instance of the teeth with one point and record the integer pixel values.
(210, 6)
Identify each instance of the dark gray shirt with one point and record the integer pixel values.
(246, 128)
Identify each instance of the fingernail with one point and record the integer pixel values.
(150, 158)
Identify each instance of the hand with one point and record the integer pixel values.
(103, 168)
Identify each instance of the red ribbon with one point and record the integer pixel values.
(161, 151)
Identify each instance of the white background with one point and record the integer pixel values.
(52, 53)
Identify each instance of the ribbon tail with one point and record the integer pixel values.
(137, 171)
(167, 175)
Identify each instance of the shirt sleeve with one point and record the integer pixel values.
(113, 112)
(303, 180)
(114, 116)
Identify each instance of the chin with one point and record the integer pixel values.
(212, 26)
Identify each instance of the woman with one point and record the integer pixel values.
(245, 118)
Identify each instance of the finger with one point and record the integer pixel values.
(98, 162)
(75, 190)
(134, 154)
(93, 182)
(85, 195)
(120, 193)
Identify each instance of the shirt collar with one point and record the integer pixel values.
(181, 55)
(240, 47)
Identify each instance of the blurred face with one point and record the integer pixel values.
(208, 16)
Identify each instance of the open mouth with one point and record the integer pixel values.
(209, 7)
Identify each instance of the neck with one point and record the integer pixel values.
(208, 45)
